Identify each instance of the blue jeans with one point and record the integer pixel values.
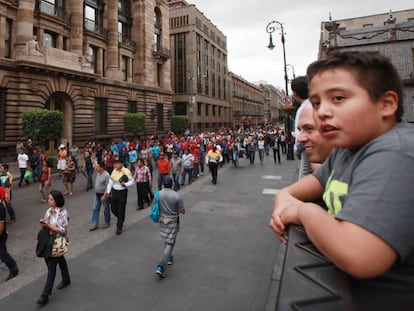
(96, 210)
(89, 174)
(160, 180)
(236, 158)
(176, 178)
(189, 172)
(51, 263)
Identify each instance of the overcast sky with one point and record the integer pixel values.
(244, 24)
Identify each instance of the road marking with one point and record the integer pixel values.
(270, 191)
(272, 177)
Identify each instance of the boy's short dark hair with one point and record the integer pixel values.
(374, 72)
(299, 85)
(5, 166)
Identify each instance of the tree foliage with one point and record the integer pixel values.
(179, 124)
(42, 124)
(134, 123)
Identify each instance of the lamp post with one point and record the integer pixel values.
(270, 29)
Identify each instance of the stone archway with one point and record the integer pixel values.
(62, 102)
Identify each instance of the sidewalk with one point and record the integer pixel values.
(224, 254)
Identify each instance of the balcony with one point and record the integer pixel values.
(91, 25)
(52, 57)
(161, 52)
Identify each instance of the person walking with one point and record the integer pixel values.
(176, 169)
(171, 205)
(88, 169)
(101, 182)
(56, 219)
(276, 150)
(261, 148)
(45, 180)
(6, 181)
(4, 254)
(121, 178)
(213, 158)
(22, 164)
(143, 180)
(69, 175)
(188, 160)
(163, 166)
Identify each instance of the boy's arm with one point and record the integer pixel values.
(350, 247)
(308, 189)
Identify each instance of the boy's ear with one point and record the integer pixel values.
(389, 103)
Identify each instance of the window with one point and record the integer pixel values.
(367, 25)
(207, 109)
(124, 22)
(132, 106)
(157, 29)
(180, 68)
(51, 7)
(124, 68)
(7, 38)
(214, 110)
(100, 115)
(49, 39)
(90, 18)
(93, 13)
(199, 109)
(93, 56)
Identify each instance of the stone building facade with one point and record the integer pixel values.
(247, 101)
(273, 99)
(199, 72)
(391, 34)
(94, 60)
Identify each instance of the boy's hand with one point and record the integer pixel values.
(285, 212)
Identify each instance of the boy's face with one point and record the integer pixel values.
(344, 113)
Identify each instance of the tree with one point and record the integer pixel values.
(179, 124)
(42, 125)
(134, 123)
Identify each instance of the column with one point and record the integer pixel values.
(24, 25)
(112, 59)
(76, 35)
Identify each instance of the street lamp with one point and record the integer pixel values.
(271, 28)
(293, 70)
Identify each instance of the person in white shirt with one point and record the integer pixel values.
(22, 164)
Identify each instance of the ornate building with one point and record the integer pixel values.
(247, 102)
(199, 68)
(273, 98)
(391, 34)
(94, 60)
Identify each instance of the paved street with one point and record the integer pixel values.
(224, 254)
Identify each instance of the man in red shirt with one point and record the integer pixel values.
(163, 165)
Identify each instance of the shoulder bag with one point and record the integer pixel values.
(60, 246)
